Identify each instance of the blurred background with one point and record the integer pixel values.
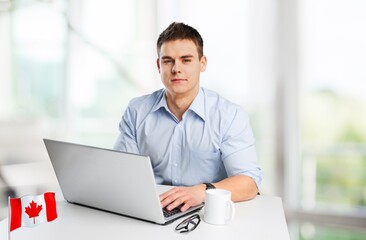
(68, 69)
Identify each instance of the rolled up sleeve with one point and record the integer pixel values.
(239, 154)
(126, 140)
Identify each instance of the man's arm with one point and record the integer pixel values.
(126, 141)
(241, 187)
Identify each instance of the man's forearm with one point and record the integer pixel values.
(241, 187)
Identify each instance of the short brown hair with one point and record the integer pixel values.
(177, 31)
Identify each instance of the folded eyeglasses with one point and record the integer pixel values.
(189, 224)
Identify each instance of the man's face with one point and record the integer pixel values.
(179, 67)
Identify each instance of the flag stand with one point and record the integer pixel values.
(9, 220)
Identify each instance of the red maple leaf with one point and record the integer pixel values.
(33, 210)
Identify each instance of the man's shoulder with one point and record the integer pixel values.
(219, 103)
(146, 101)
(223, 113)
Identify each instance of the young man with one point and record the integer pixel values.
(195, 138)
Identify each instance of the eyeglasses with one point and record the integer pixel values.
(188, 224)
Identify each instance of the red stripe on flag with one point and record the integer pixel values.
(50, 201)
(15, 213)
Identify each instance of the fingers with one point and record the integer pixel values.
(185, 207)
(176, 197)
(167, 194)
(168, 197)
(172, 199)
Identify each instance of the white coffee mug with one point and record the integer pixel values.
(219, 209)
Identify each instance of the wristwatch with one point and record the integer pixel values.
(209, 186)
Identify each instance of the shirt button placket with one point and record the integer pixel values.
(177, 154)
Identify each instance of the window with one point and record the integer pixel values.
(333, 104)
(328, 178)
(111, 59)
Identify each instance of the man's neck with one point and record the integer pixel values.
(178, 104)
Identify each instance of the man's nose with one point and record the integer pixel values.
(176, 67)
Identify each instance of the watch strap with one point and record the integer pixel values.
(209, 186)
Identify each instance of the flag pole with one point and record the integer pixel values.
(9, 214)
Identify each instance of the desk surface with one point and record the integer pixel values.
(260, 218)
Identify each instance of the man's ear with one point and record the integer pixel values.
(203, 63)
(158, 64)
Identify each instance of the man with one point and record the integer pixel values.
(196, 139)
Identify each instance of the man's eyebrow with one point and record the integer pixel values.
(184, 56)
(187, 56)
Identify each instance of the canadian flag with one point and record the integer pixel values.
(30, 211)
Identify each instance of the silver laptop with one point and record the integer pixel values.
(109, 180)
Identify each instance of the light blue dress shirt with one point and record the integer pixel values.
(213, 140)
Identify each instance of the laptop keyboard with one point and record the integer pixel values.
(172, 212)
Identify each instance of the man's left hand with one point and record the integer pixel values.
(185, 196)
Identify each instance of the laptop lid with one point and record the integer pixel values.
(105, 179)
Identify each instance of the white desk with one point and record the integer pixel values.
(261, 218)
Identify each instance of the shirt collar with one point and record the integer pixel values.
(161, 102)
(197, 106)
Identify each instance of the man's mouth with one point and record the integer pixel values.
(178, 79)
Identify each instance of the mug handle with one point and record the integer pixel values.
(231, 211)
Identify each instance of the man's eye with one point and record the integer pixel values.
(167, 61)
(186, 60)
